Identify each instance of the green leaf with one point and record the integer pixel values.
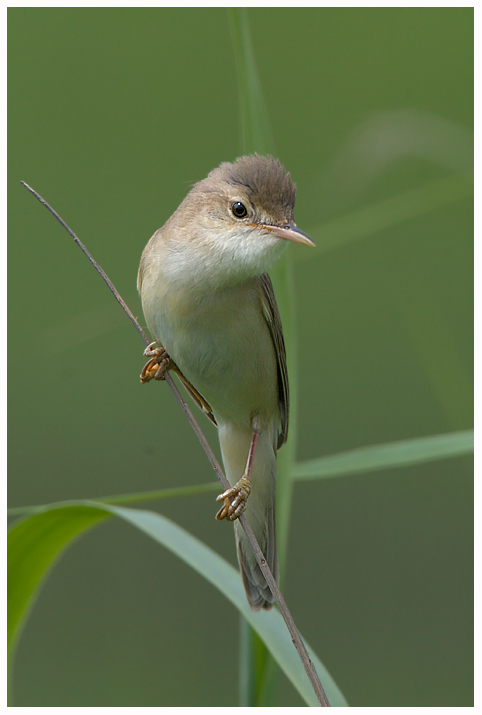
(377, 217)
(35, 542)
(134, 497)
(257, 136)
(383, 456)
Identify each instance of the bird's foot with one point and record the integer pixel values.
(159, 363)
(235, 500)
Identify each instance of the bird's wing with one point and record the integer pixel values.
(271, 313)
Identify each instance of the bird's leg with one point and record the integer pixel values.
(159, 363)
(236, 497)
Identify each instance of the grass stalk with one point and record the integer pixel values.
(301, 650)
(258, 137)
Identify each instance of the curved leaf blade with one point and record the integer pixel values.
(383, 456)
(34, 545)
(38, 540)
(382, 215)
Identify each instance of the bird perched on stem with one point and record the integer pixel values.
(210, 307)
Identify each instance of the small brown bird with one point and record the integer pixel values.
(210, 307)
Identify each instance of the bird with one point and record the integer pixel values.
(210, 307)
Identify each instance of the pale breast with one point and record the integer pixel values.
(222, 344)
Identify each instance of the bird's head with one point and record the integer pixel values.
(236, 222)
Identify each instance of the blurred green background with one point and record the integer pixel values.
(114, 113)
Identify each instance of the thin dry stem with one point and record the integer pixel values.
(283, 608)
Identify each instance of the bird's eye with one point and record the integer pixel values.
(239, 209)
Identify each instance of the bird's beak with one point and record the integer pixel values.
(290, 232)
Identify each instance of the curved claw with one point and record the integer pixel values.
(223, 512)
(155, 368)
(149, 352)
(235, 500)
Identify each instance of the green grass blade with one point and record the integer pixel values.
(384, 456)
(258, 137)
(134, 497)
(247, 666)
(38, 540)
(389, 212)
(34, 544)
(268, 624)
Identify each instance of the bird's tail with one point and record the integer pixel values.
(260, 509)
